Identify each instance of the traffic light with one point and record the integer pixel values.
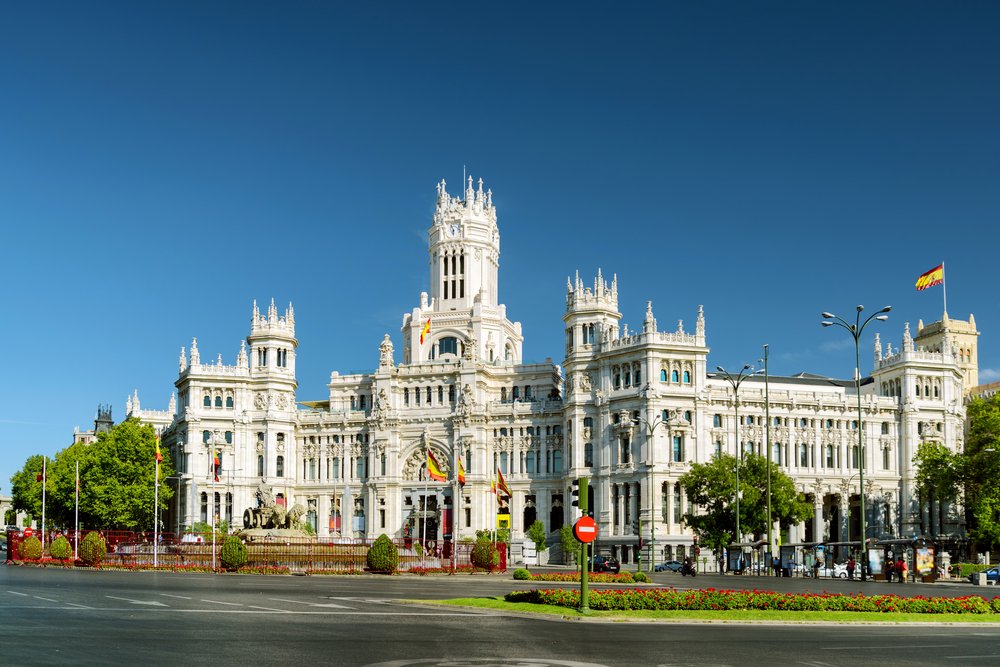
(635, 526)
(575, 493)
(579, 494)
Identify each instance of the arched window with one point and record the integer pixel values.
(855, 462)
(675, 376)
(229, 437)
(829, 456)
(206, 436)
(885, 428)
(803, 454)
(638, 375)
(885, 458)
(628, 377)
(229, 401)
(527, 392)
(279, 466)
(664, 415)
(687, 377)
(588, 422)
(218, 401)
(208, 401)
(687, 416)
(618, 381)
(260, 465)
(918, 391)
(448, 345)
(663, 376)
(516, 393)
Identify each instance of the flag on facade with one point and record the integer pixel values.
(461, 471)
(933, 277)
(502, 484)
(493, 486)
(433, 469)
(215, 464)
(426, 330)
(159, 456)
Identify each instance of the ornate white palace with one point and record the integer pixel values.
(630, 409)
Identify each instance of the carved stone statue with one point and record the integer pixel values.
(269, 513)
(385, 353)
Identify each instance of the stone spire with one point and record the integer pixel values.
(182, 362)
(699, 327)
(272, 313)
(195, 356)
(907, 338)
(256, 313)
(241, 358)
(878, 349)
(172, 406)
(135, 400)
(128, 406)
(649, 323)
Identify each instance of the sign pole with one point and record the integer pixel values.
(584, 565)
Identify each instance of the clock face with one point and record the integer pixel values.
(453, 230)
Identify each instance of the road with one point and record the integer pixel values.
(64, 616)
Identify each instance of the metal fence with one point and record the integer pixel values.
(196, 551)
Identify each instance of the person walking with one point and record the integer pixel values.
(901, 570)
(890, 566)
(851, 564)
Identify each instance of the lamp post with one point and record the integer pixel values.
(767, 443)
(650, 429)
(735, 382)
(829, 320)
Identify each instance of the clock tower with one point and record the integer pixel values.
(464, 249)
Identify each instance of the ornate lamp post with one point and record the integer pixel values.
(829, 320)
(650, 429)
(735, 382)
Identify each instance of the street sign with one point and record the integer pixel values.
(27, 531)
(585, 529)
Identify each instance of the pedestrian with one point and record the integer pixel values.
(901, 569)
(851, 564)
(776, 566)
(890, 566)
(816, 567)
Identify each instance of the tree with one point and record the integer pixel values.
(536, 533)
(116, 480)
(979, 471)
(939, 475)
(570, 547)
(711, 492)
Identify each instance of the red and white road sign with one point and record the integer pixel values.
(27, 531)
(585, 529)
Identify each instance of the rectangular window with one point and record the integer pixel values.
(678, 451)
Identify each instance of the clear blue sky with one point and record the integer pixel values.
(164, 164)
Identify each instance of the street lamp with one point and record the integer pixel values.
(829, 320)
(650, 429)
(767, 444)
(735, 382)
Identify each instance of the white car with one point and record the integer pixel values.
(838, 571)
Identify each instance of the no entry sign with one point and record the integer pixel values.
(585, 529)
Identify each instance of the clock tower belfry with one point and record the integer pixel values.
(464, 248)
(462, 316)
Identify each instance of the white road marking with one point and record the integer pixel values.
(892, 646)
(39, 597)
(234, 604)
(81, 606)
(329, 605)
(24, 595)
(152, 603)
(280, 611)
(179, 597)
(970, 657)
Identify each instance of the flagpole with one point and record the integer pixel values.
(76, 515)
(45, 461)
(156, 515)
(423, 512)
(944, 289)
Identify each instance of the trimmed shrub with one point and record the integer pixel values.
(31, 549)
(61, 548)
(93, 549)
(234, 554)
(383, 556)
(640, 577)
(522, 575)
(485, 555)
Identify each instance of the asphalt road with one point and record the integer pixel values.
(56, 616)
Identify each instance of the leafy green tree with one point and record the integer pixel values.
(570, 547)
(116, 480)
(536, 533)
(234, 554)
(939, 476)
(711, 488)
(980, 472)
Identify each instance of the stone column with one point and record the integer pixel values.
(845, 517)
(818, 517)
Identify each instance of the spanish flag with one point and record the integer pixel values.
(159, 456)
(216, 463)
(933, 277)
(433, 469)
(461, 471)
(502, 484)
(426, 330)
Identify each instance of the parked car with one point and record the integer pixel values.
(992, 574)
(669, 566)
(838, 571)
(605, 564)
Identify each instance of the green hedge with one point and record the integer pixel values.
(600, 578)
(31, 548)
(485, 555)
(382, 556)
(715, 600)
(233, 555)
(61, 548)
(93, 549)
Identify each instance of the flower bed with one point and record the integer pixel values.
(724, 600)
(602, 578)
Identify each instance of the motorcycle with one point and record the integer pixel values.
(688, 569)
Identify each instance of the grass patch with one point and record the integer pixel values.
(498, 603)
